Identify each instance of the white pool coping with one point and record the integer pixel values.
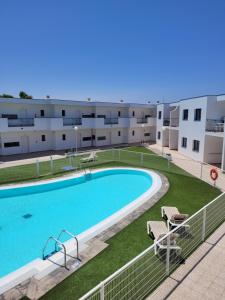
(39, 268)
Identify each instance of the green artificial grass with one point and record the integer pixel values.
(186, 192)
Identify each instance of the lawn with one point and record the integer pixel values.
(186, 192)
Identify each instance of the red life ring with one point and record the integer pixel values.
(213, 174)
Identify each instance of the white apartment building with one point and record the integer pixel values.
(194, 127)
(40, 125)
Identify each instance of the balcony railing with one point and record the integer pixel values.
(109, 121)
(71, 121)
(142, 120)
(24, 122)
(174, 122)
(166, 122)
(215, 125)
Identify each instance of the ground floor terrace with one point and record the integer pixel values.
(19, 142)
(185, 191)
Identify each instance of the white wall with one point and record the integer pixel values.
(213, 149)
(192, 130)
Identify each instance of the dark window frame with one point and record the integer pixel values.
(133, 132)
(198, 114)
(63, 112)
(64, 137)
(119, 133)
(196, 146)
(184, 142)
(42, 112)
(101, 138)
(185, 114)
(159, 115)
(159, 135)
(11, 144)
(86, 138)
(43, 138)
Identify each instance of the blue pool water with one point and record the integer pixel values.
(29, 215)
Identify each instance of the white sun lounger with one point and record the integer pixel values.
(91, 157)
(170, 213)
(157, 229)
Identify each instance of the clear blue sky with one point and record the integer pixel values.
(135, 50)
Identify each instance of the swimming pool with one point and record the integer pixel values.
(82, 204)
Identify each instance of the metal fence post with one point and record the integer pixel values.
(203, 224)
(102, 291)
(119, 154)
(201, 171)
(141, 158)
(37, 168)
(168, 256)
(51, 164)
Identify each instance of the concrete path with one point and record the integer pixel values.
(201, 277)
(196, 168)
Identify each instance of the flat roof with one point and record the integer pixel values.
(72, 102)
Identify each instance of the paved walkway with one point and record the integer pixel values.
(196, 168)
(201, 277)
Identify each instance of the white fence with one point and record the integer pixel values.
(144, 273)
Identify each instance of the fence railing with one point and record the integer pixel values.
(144, 273)
(21, 122)
(215, 125)
(111, 121)
(71, 121)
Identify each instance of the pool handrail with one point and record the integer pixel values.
(57, 242)
(74, 237)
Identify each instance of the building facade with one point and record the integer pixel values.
(194, 127)
(40, 125)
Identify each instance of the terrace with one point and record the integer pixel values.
(132, 240)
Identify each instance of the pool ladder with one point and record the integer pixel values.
(60, 244)
(87, 173)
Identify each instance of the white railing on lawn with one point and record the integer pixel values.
(143, 274)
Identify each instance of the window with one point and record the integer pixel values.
(101, 116)
(63, 113)
(160, 115)
(198, 113)
(64, 137)
(43, 138)
(133, 113)
(42, 112)
(147, 134)
(101, 138)
(133, 132)
(10, 117)
(87, 138)
(12, 144)
(92, 115)
(185, 114)
(119, 113)
(119, 133)
(159, 135)
(196, 145)
(184, 142)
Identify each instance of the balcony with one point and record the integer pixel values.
(166, 122)
(174, 122)
(72, 121)
(24, 122)
(142, 120)
(215, 125)
(111, 121)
